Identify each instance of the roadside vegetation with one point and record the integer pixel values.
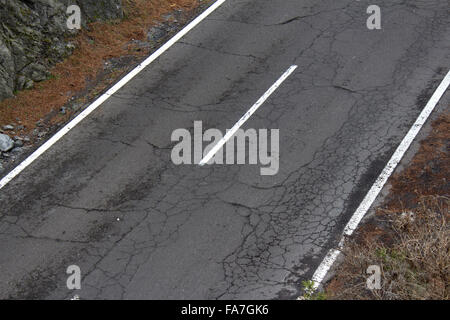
(409, 235)
(84, 74)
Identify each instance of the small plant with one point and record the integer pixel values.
(310, 293)
(414, 262)
(381, 253)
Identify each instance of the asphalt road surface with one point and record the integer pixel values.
(108, 198)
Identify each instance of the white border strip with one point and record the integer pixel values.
(247, 115)
(17, 170)
(367, 202)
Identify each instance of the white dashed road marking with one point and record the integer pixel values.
(247, 115)
(42, 149)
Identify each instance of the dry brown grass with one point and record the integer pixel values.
(409, 237)
(414, 257)
(428, 173)
(99, 42)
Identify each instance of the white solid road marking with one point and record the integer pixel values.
(247, 115)
(17, 170)
(367, 202)
(332, 255)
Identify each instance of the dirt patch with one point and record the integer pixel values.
(104, 52)
(408, 238)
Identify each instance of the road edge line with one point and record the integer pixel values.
(94, 105)
(332, 255)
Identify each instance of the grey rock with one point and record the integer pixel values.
(96, 10)
(6, 143)
(156, 33)
(21, 82)
(34, 36)
(6, 70)
(28, 84)
(18, 143)
(16, 151)
(170, 17)
(8, 127)
(36, 72)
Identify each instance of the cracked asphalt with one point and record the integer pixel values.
(107, 197)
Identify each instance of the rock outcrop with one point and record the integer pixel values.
(34, 36)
